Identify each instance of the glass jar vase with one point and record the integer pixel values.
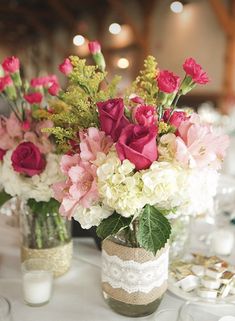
(46, 236)
(133, 279)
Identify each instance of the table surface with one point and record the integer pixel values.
(77, 295)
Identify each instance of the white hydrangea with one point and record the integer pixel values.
(37, 187)
(92, 216)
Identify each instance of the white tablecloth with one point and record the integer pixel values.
(77, 295)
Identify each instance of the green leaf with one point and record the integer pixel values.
(112, 225)
(43, 208)
(154, 229)
(4, 197)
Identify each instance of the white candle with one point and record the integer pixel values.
(222, 241)
(37, 287)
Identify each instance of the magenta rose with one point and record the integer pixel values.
(27, 159)
(195, 71)
(145, 115)
(111, 116)
(168, 82)
(138, 145)
(175, 119)
(2, 153)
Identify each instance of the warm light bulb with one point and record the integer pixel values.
(115, 28)
(177, 7)
(78, 40)
(123, 63)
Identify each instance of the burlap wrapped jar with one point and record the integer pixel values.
(133, 279)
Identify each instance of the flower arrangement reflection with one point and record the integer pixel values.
(130, 161)
(28, 162)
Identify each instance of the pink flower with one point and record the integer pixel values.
(2, 153)
(94, 47)
(168, 82)
(176, 118)
(10, 132)
(138, 145)
(93, 142)
(27, 159)
(197, 146)
(54, 89)
(136, 99)
(145, 115)
(5, 82)
(11, 64)
(195, 71)
(66, 67)
(26, 125)
(80, 188)
(111, 116)
(33, 98)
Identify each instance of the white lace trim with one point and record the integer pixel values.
(133, 276)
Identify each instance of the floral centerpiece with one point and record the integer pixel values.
(129, 162)
(29, 164)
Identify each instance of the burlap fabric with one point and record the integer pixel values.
(139, 255)
(59, 256)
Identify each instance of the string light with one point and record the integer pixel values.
(115, 28)
(123, 63)
(78, 40)
(177, 7)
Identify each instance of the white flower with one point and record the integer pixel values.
(37, 187)
(92, 216)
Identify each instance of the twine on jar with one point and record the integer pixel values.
(59, 256)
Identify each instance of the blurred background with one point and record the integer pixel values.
(42, 33)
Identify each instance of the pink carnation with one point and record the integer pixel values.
(5, 82)
(198, 146)
(45, 81)
(11, 64)
(54, 89)
(195, 71)
(94, 47)
(93, 142)
(168, 82)
(33, 98)
(66, 67)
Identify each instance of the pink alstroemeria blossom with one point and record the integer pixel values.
(66, 67)
(195, 71)
(197, 146)
(168, 82)
(5, 82)
(93, 142)
(33, 98)
(11, 64)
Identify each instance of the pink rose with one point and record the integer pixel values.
(176, 118)
(145, 115)
(33, 98)
(168, 82)
(5, 82)
(138, 145)
(2, 153)
(11, 64)
(111, 116)
(94, 47)
(195, 71)
(54, 89)
(27, 159)
(66, 67)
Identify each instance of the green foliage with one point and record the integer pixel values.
(112, 225)
(154, 229)
(4, 197)
(43, 208)
(145, 84)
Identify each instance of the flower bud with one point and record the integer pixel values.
(95, 50)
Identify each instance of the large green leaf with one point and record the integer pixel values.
(112, 225)
(4, 197)
(154, 229)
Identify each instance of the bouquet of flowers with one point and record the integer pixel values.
(28, 162)
(131, 161)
